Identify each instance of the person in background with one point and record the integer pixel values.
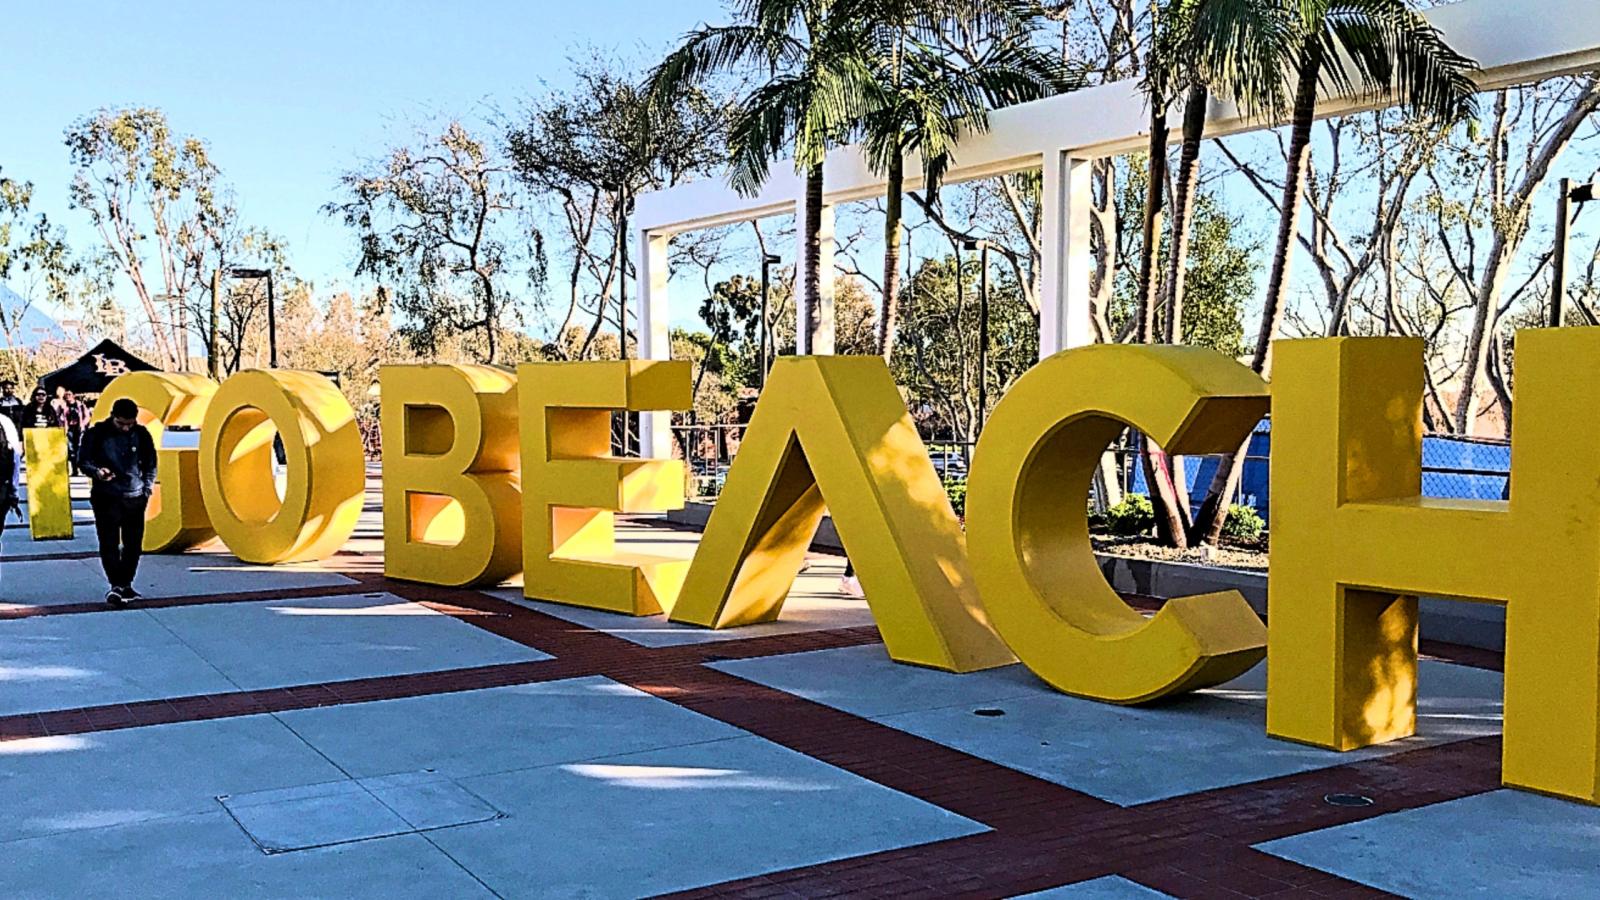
(120, 457)
(10, 403)
(40, 412)
(75, 419)
(10, 469)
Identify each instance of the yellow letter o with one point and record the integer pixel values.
(326, 473)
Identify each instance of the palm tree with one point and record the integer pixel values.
(927, 97)
(819, 84)
(1238, 49)
(1351, 48)
(1235, 49)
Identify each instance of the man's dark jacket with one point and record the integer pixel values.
(130, 455)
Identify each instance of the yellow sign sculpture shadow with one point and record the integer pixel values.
(832, 434)
(1028, 531)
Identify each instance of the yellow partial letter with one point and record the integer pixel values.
(1028, 529)
(325, 473)
(44, 450)
(832, 434)
(176, 518)
(1354, 543)
(452, 500)
(573, 485)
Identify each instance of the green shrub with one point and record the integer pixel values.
(1243, 524)
(956, 489)
(1132, 517)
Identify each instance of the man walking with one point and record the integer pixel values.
(120, 457)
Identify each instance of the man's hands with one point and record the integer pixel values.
(104, 475)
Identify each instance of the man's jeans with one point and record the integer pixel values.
(119, 525)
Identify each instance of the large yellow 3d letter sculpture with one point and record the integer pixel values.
(176, 518)
(1353, 543)
(1028, 531)
(452, 501)
(573, 486)
(326, 473)
(49, 499)
(834, 431)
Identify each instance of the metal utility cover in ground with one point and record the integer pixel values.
(342, 812)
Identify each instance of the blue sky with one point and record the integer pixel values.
(290, 94)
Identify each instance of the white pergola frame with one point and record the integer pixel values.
(1513, 41)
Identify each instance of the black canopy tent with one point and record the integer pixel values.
(95, 369)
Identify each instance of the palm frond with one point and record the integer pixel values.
(1392, 50)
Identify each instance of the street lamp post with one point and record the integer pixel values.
(272, 313)
(767, 262)
(983, 328)
(1567, 196)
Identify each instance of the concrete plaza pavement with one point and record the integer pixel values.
(318, 730)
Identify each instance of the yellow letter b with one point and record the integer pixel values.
(1354, 543)
(452, 511)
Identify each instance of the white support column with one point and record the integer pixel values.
(1064, 320)
(825, 337)
(655, 341)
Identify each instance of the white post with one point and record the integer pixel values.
(1064, 320)
(655, 342)
(825, 337)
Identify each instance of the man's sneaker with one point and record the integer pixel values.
(128, 593)
(114, 598)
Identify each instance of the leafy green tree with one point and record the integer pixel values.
(816, 84)
(434, 222)
(29, 247)
(591, 151)
(155, 198)
(936, 359)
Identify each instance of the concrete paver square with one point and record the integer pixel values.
(207, 855)
(18, 543)
(681, 817)
(1501, 844)
(56, 582)
(276, 643)
(50, 785)
(93, 659)
(1111, 887)
(1126, 755)
(500, 729)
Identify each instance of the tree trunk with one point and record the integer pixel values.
(890, 322)
(1171, 522)
(1213, 513)
(1194, 125)
(812, 243)
(1154, 197)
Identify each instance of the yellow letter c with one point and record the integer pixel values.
(1028, 530)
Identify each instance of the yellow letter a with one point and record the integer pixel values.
(834, 430)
